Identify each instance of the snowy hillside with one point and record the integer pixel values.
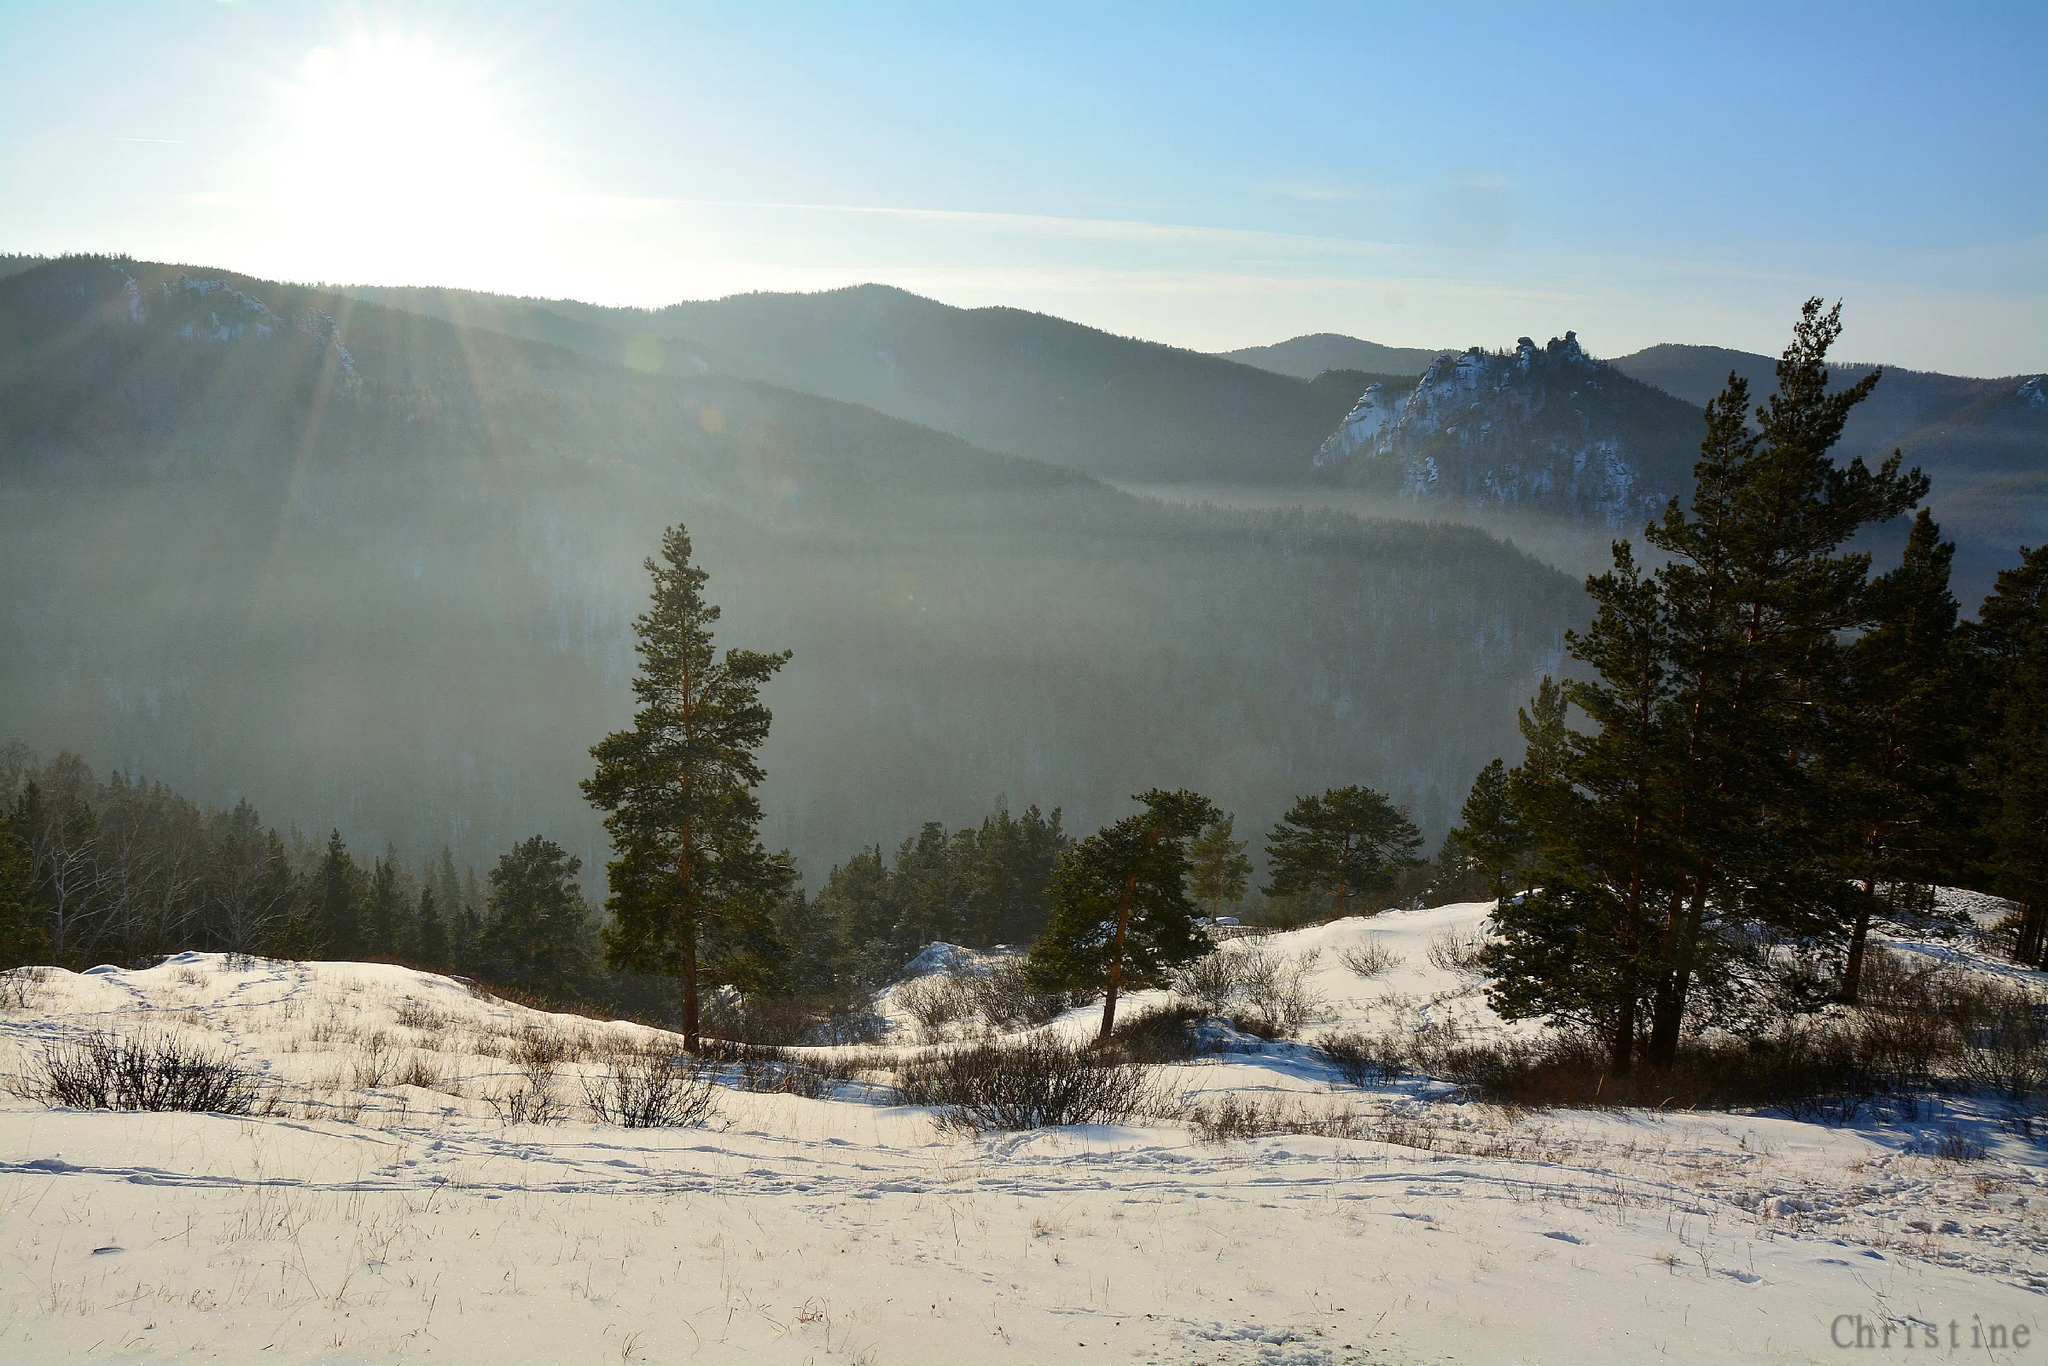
(1542, 427)
(393, 1207)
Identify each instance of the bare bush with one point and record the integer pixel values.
(2004, 1039)
(1234, 1115)
(1371, 958)
(374, 1062)
(22, 988)
(936, 1001)
(526, 1105)
(654, 1091)
(1363, 1060)
(1163, 1035)
(1041, 1082)
(414, 1013)
(841, 1017)
(1458, 951)
(1952, 1145)
(420, 1070)
(1005, 999)
(1262, 993)
(107, 1071)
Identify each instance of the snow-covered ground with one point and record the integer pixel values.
(389, 1212)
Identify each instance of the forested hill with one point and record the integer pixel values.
(375, 570)
(1005, 379)
(1306, 357)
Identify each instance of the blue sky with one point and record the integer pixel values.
(1207, 175)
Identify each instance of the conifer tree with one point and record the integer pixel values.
(22, 936)
(537, 932)
(430, 940)
(2008, 649)
(1758, 591)
(1582, 947)
(1121, 915)
(1895, 761)
(382, 918)
(337, 901)
(1218, 867)
(693, 891)
(1537, 786)
(1348, 842)
(1491, 836)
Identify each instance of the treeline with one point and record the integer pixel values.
(117, 870)
(1770, 748)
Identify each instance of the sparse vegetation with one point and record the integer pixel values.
(666, 1090)
(103, 1070)
(1038, 1082)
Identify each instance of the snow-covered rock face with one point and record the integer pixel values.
(2033, 394)
(1532, 426)
(214, 311)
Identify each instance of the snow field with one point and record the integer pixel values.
(388, 1212)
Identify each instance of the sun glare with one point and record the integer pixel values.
(397, 161)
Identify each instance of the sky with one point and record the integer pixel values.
(1211, 176)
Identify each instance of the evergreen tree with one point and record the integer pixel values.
(1582, 946)
(537, 936)
(1897, 752)
(1011, 897)
(338, 915)
(430, 941)
(1121, 914)
(1349, 841)
(22, 936)
(1757, 592)
(1492, 838)
(1218, 867)
(692, 889)
(2008, 649)
(382, 919)
(1537, 786)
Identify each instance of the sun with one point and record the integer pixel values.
(397, 159)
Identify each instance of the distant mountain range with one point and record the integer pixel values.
(1306, 357)
(374, 569)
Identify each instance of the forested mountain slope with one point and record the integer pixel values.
(1308, 356)
(375, 570)
(1005, 379)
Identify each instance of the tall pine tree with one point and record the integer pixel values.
(1350, 841)
(1218, 867)
(693, 891)
(1121, 915)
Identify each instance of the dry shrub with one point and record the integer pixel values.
(1162, 1035)
(780, 1021)
(1234, 1115)
(1003, 996)
(936, 1001)
(1262, 993)
(420, 1070)
(1040, 1082)
(414, 1013)
(107, 1071)
(1364, 1060)
(1371, 958)
(374, 1062)
(1458, 950)
(654, 1091)
(526, 1105)
(1951, 1145)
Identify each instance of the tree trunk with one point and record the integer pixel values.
(1859, 936)
(1668, 1016)
(1621, 1049)
(690, 1039)
(1116, 962)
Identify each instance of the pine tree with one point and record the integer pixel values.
(1537, 787)
(382, 918)
(22, 936)
(537, 936)
(1757, 593)
(2008, 652)
(1121, 915)
(1897, 752)
(692, 889)
(1218, 867)
(1348, 842)
(430, 940)
(338, 911)
(1492, 836)
(1582, 946)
